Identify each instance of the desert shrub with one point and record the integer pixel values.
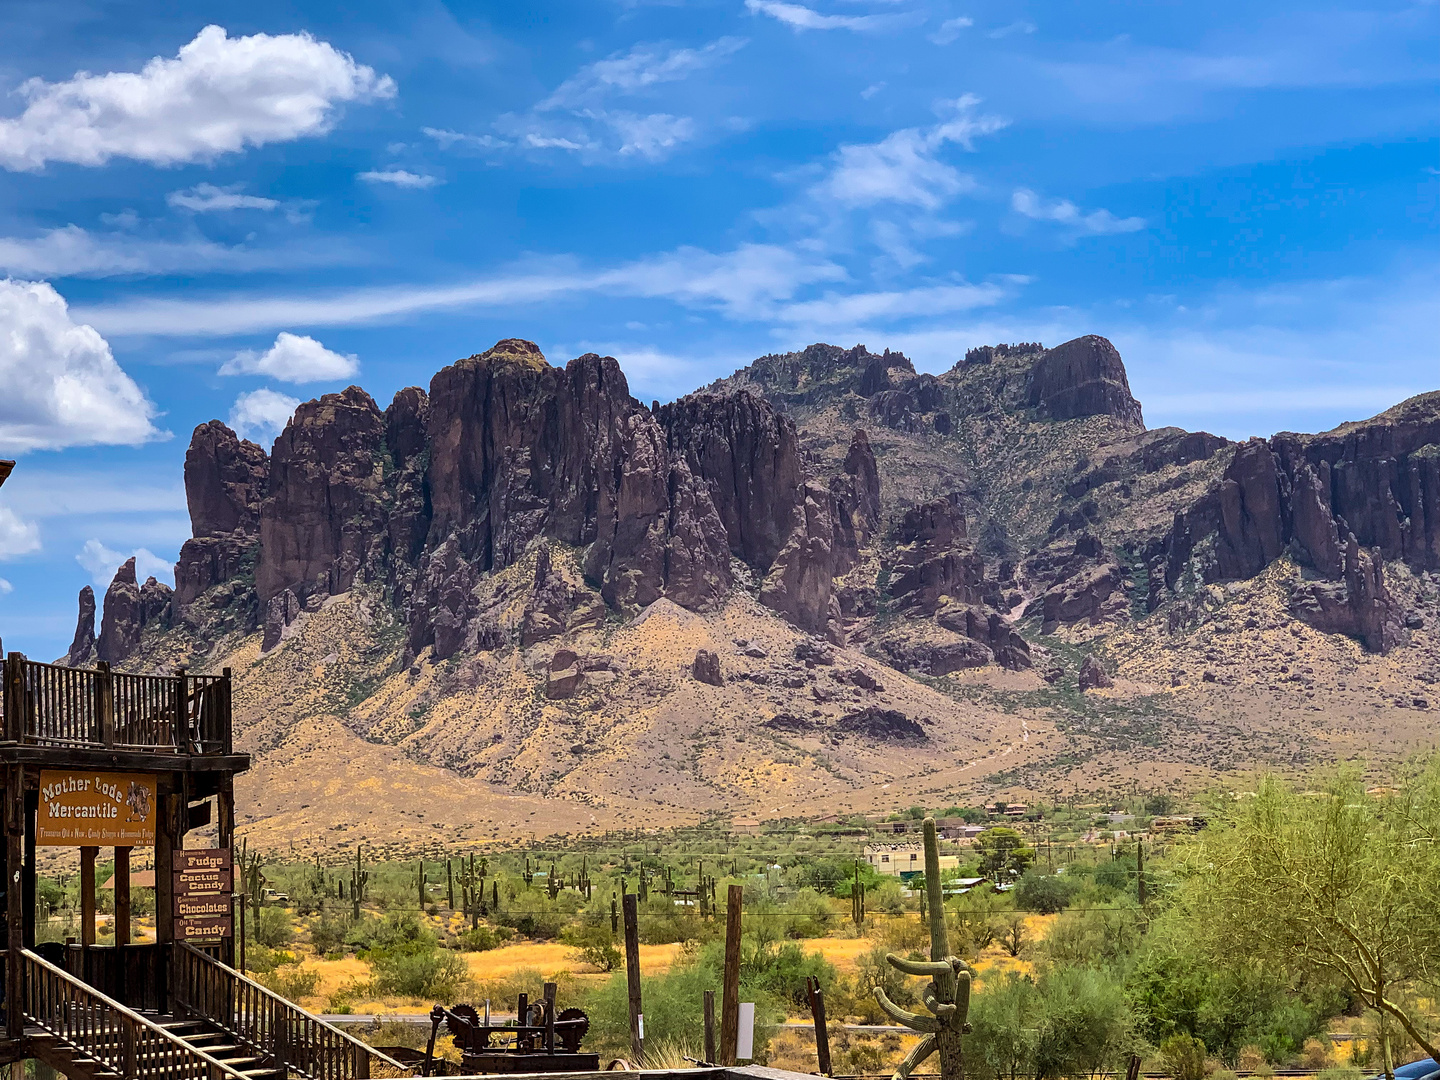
(327, 933)
(537, 916)
(872, 971)
(1093, 936)
(1183, 1057)
(886, 898)
(904, 934)
(1046, 894)
(1337, 1072)
(431, 972)
(810, 915)
(292, 981)
(974, 921)
(593, 944)
(273, 928)
(482, 938)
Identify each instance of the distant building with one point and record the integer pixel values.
(903, 860)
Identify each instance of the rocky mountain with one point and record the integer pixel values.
(841, 551)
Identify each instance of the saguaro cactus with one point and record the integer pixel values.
(948, 995)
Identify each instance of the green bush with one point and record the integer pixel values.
(274, 927)
(1183, 1057)
(432, 973)
(293, 981)
(327, 933)
(482, 938)
(593, 944)
(1046, 894)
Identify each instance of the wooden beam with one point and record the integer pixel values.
(730, 986)
(87, 896)
(122, 896)
(14, 908)
(632, 978)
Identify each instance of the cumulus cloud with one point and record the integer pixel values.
(207, 198)
(799, 17)
(101, 562)
(262, 414)
(62, 386)
(904, 166)
(5, 587)
(295, 359)
(1064, 212)
(217, 95)
(17, 536)
(949, 30)
(399, 178)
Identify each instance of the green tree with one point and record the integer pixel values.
(1339, 884)
(1046, 894)
(1002, 850)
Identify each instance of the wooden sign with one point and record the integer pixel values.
(203, 859)
(202, 882)
(200, 929)
(203, 907)
(84, 808)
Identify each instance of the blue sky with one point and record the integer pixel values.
(214, 211)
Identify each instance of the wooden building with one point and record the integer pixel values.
(93, 759)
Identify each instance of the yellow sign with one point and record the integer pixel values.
(83, 808)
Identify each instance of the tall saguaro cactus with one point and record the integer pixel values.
(948, 995)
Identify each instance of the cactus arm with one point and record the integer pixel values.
(932, 968)
(900, 1016)
(941, 1009)
(962, 994)
(935, 894)
(923, 1049)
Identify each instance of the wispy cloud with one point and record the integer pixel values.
(401, 178)
(834, 310)
(17, 536)
(743, 283)
(643, 67)
(799, 17)
(904, 166)
(950, 29)
(1064, 212)
(71, 251)
(208, 198)
(448, 139)
(1020, 26)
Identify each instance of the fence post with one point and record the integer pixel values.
(632, 978)
(105, 702)
(182, 714)
(709, 1027)
(730, 985)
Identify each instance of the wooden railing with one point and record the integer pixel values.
(87, 1023)
(269, 1025)
(53, 705)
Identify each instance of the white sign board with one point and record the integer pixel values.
(745, 1037)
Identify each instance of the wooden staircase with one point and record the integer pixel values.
(224, 1027)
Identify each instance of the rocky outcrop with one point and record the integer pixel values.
(747, 455)
(325, 511)
(1093, 675)
(82, 646)
(130, 608)
(225, 482)
(1359, 605)
(282, 610)
(934, 560)
(990, 629)
(706, 668)
(881, 725)
(800, 584)
(1083, 377)
(1078, 581)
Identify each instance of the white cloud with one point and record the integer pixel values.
(447, 139)
(650, 136)
(949, 30)
(207, 198)
(17, 536)
(642, 67)
(1065, 212)
(1020, 26)
(62, 386)
(5, 587)
(218, 95)
(873, 89)
(399, 178)
(903, 167)
(262, 414)
(799, 17)
(101, 562)
(294, 359)
(743, 282)
(71, 251)
(835, 310)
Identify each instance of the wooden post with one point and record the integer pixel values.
(14, 852)
(550, 988)
(822, 1033)
(730, 986)
(709, 1027)
(449, 885)
(105, 702)
(122, 897)
(632, 977)
(225, 830)
(87, 896)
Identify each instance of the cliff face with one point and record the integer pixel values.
(839, 486)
